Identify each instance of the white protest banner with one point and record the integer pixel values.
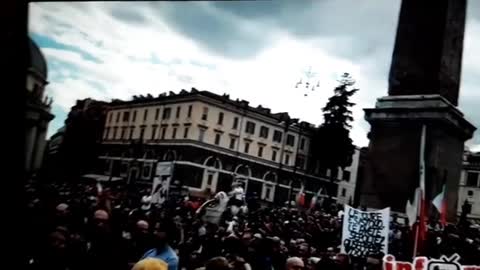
(365, 233)
(214, 208)
(161, 182)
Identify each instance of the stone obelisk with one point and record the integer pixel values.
(423, 89)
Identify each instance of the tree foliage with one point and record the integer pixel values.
(334, 147)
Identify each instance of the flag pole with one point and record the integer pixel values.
(416, 243)
(417, 228)
(420, 194)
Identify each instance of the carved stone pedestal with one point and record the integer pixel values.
(392, 169)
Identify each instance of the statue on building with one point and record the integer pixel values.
(37, 114)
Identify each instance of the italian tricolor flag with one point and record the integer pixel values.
(441, 204)
(300, 198)
(315, 198)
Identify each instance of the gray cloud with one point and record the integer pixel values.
(215, 31)
(473, 10)
(363, 27)
(358, 31)
(469, 99)
(134, 16)
(470, 109)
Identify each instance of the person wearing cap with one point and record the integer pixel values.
(162, 250)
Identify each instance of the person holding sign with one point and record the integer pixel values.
(365, 233)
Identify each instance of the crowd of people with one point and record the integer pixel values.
(85, 226)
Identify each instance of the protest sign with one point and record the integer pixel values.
(423, 263)
(365, 233)
(214, 208)
(164, 168)
(161, 182)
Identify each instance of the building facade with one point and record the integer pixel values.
(37, 114)
(469, 186)
(348, 180)
(73, 150)
(212, 141)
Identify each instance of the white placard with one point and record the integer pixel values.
(161, 182)
(161, 185)
(163, 168)
(365, 233)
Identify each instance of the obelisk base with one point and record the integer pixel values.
(392, 167)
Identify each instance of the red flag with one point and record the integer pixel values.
(300, 198)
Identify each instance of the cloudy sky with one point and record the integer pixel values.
(253, 50)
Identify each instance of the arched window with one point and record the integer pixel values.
(211, 173)
(213, 162)
(170, 155)
(242, 174)
(268, 188)
(243, 170)
(158, 155)
(150, 154)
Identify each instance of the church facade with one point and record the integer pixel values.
(38, 106)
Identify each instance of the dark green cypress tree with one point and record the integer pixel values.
(333, 145)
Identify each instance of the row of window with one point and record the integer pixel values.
(124, 132)
(300, 160)
(249, 127)
(277, 135)
(167, 112)
(246, 146)
(127, 133)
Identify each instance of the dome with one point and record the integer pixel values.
(36, 60)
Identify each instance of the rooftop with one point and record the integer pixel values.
(225, 98)
(37, 62)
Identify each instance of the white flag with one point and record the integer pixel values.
(213, 212)
(413, 209)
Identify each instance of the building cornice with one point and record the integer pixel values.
(224, 102)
